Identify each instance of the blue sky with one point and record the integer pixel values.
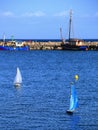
(42, 19)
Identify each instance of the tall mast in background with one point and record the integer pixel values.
(63, 40)
(70, 22)
(4, 37)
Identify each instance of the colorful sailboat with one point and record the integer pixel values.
(18, 78)
(73, 100)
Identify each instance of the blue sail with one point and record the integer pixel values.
(73, 99)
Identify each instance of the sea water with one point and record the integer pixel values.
(43, 98)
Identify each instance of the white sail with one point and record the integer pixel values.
(18, 78)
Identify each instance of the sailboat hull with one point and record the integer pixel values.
(69, 112)
(9, 48)
(73, 47)
(17, 85)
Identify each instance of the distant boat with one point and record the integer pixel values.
(9, 48)
(73, 100)
(13, 46)
(72, 43)
(18, 78)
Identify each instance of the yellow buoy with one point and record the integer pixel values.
(76, 77)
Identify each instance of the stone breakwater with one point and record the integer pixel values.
(44, 45)
(47, 45)
(36, 45)
(91, 45)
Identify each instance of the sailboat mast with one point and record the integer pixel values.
(61, 33)
(63, 40)
(4, 37)
(70, 21)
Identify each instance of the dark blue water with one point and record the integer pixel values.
(42, 100)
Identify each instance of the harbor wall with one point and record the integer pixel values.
(37, 45)
(46, 45)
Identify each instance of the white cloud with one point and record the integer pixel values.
(28, 14)
(37, 14)
(90, 15)
(85, 15)
(61, 14)
(96, 14)
(7, 14)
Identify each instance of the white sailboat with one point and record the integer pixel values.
(18, 78)
(73, 100)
